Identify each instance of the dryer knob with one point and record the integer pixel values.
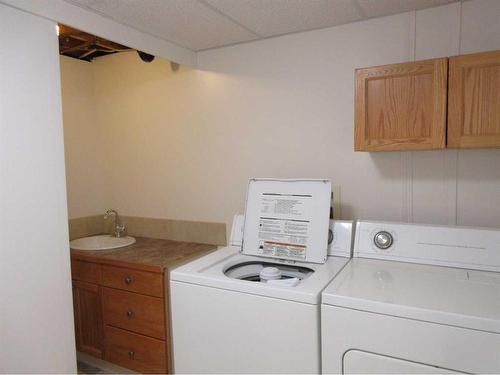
(383, 240)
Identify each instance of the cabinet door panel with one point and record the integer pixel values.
(88, 318)
(401, 106)
(474, 101)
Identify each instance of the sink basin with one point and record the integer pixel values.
(101, 242)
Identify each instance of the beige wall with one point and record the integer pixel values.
(84, 148)
(183, 144)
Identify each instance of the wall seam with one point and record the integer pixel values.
(411, 166)
(451, 160)
(407, 156)
(457, 153)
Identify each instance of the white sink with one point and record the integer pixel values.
(101, 242)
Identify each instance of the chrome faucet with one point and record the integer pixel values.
(119, 227)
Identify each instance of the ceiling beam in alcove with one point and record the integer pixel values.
(84, 46)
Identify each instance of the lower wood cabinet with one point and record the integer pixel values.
(88, 318)
(121, 315)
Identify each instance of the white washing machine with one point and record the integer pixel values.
(415, 299)
(254, 307)
(225, 321)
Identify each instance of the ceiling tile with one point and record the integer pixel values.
(188, 23)
(275, 17)
(203, 24)
(376, 8)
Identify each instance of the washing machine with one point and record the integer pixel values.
(235, 311)
(415, 299)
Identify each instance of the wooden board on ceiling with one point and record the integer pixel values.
(84, 46)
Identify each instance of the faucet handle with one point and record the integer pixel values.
(119, 229)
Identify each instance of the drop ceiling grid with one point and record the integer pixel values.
(204, 24)
(271, 18)
(187, 23)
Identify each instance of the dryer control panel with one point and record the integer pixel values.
(462, 247)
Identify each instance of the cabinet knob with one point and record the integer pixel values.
(130, 313)
(131, 354)
(128, 280)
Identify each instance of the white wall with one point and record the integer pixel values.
(36, 318)
(182, 145)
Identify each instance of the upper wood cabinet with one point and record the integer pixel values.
(401, 106)
(474, 101)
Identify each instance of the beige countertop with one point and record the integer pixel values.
(147, 253)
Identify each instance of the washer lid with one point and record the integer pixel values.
(287, 219)
(444, 295)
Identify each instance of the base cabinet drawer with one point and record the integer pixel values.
(134, 312)
(133, 280)
(134, 351)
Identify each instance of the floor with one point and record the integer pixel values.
(91, 365)
(86, 368)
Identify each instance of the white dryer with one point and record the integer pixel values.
(415, 299)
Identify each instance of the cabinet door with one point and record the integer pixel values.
(401, 106)
(88, 318)
(474, 101)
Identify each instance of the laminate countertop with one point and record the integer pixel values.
(147, 253)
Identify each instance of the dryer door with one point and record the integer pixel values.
(360, 362)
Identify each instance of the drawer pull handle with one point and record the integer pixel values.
(130, 313)
(131, 354)
(128, 280)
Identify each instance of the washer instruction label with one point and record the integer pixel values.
(284, 223)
